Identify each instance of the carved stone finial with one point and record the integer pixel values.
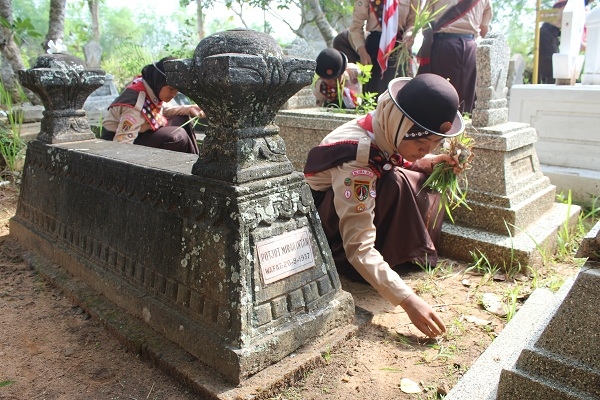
(63, 84)
(240, 78)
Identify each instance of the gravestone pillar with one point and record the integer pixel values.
(62, 83)
(513, 213)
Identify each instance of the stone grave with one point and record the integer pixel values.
(305, 98)
(516, 68)
(563, 361)
(306, 127)
(93, 54)
(513, 215)
(96, 104)
(32, 117)
(549, 349)
(214, 266)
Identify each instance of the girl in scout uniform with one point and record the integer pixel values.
(142, 115)
(367, 177)
(338, 83)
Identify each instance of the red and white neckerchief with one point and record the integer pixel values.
(389, 32)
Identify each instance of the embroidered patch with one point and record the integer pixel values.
(347, 194)
(364, 172)
(361, 190)
(127, 125)
(153, 114)
(361, 207)
(373, 194)
(347, 181)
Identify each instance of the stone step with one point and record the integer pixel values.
(535, 388)
(481, 380)
(563, 362)
(546, 375)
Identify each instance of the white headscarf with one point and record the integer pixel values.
(389, 125)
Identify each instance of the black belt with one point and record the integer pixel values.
(454, 35)
(398, 35)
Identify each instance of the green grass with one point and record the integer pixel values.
(11, 144)
(443, 180)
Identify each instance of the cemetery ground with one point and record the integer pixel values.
(52, 349)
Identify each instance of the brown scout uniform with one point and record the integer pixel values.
(127, 122)
(353, 185)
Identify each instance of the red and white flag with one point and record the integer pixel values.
(389, 31)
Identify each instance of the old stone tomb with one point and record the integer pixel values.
(222, 254)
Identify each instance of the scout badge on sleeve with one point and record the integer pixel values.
(361, 190)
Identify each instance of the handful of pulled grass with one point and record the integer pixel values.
(443, 179)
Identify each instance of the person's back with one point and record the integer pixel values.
(549, 43)
(453, 48)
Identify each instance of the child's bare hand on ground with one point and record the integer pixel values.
(423, 316)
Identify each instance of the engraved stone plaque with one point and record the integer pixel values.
(285, 255)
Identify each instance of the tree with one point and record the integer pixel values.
(56, 22)
(92, 49)
(317, 13)
(201, 5)
(10, 50)
(93, 6)
(321, 21)
(200, 19)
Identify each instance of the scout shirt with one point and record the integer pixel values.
(354, 186)
(364, 11)
(470, 23)
(352, 88)
(127, 121)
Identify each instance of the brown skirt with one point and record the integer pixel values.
(407, 221)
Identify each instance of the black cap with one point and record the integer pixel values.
(331, 63)
(430, 101)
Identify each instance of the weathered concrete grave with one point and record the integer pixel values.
(513, 215)
(222, 254)
(549, 349)
(96, 104)
(563, 361)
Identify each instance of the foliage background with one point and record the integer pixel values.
(130, 37)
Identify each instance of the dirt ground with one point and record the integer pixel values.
(52, 349)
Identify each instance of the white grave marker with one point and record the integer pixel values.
(285, 255)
